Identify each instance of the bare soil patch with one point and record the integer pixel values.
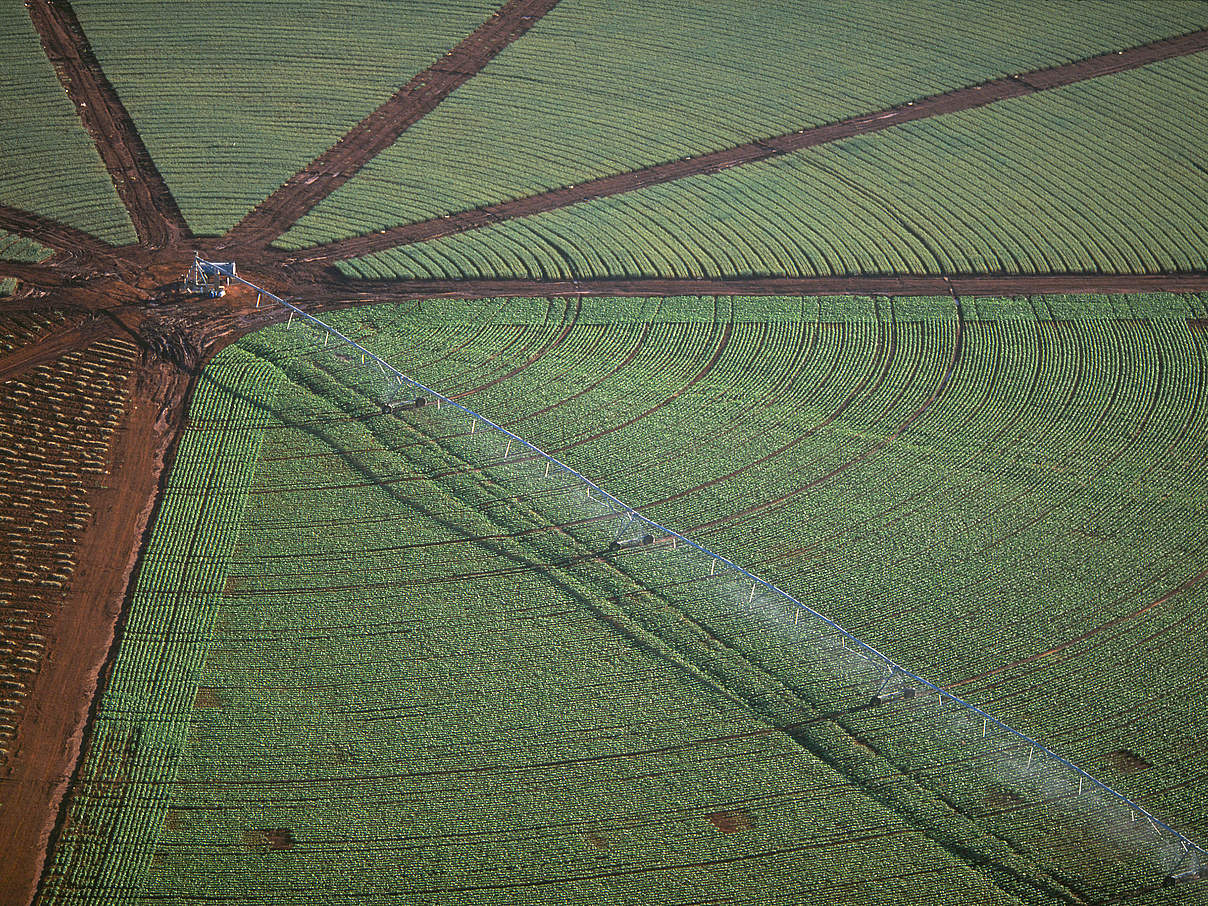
(1127, 762)
(269, 838)
(731, 822)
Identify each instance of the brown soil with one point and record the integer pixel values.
(273, 838)
(380, 129)
(1126, 762)
(32, 273)
(731, 822)
(762, 149)
(207, 697)
(153, 211)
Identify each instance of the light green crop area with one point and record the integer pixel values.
(50, 165)
(377, 674)
(1098, 177)
(598, 88)
(233, 97)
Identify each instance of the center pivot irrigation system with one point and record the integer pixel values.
(891, 681)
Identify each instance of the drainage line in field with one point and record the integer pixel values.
(1191, 850)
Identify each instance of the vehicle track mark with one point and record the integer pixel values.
(382, 128)
(967, 98)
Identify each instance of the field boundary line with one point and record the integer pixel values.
(382, 128)
(152, 209)
(966, 98)
(353, 290)
(892, 669)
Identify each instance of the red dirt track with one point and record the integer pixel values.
(969, 285)
(380, 129)
(153, 210)
(762, 149)
(117, 292)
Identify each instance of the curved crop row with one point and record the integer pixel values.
(595, 90)
(1079, 444)
(389, 708)
(1093, 177)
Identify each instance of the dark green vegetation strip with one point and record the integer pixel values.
(1097, 177)
(409, 693)
(50, 165)
(598, 88)
(240, 95)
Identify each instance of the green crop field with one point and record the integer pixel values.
(598, 88)
(357, 670)
(50, 166)
(18, 248)
(239, 95)
(375, 651)
(1097, 177)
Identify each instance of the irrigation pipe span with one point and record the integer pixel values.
(1191, 849)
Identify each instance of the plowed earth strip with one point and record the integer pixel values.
(762, 149)
(48, 348)
(380, 129)
(153, 211)
(970, 285)
(51, 233)
(47, 746)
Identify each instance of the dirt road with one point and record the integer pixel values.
(950, 102)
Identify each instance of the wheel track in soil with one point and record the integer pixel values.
(39, 275)
(966, 98)
(153, 211)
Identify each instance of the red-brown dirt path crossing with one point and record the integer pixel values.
(762, 149)
(383, 126)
